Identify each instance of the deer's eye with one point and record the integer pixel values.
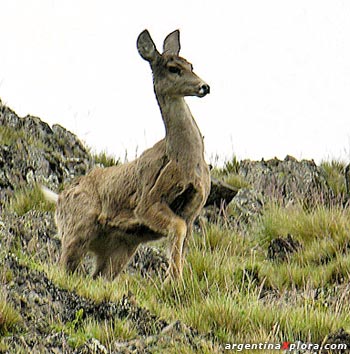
(174, 70)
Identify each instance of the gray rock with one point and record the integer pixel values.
(148, 260)
(339, 337)
(9, 118)
(246, 204)
(288, 180)
(37, 153)
(220, 192)
(281, 248)
(34, 232)
(37, 129)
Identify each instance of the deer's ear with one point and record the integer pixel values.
(146, 47)
(172, 43)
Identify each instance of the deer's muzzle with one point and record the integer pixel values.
(204, 90)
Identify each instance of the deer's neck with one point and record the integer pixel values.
(183, 138)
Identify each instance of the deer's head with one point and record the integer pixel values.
(173, 75)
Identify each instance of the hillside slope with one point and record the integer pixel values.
(272, 266)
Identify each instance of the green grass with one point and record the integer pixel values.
(225, 279)
(325, 238)
(79, 331)
(12, 137)
(9, 316)
(334, 172)
(230, 291)
(229, 174)
(230, 166)
(306, 225)
(105, 160)
(9, 136)
(29, 198)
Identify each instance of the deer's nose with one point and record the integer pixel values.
(204, 89)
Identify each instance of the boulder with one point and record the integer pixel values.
(246, 204)
(287, 180)
(220, 192)
(281, 248)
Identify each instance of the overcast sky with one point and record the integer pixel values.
(279, 72)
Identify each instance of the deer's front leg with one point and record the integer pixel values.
(161, 219)
(156, 214)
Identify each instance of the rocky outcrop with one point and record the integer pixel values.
(32, 151)
(287, 180)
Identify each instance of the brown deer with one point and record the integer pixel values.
(110, 211)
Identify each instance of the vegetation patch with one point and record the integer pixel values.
(29, 198)
(105, 160)
(334, 171)
(13, 137)
(10, 319)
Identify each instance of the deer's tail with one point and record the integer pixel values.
(49, 195)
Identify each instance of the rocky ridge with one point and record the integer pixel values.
(31, 151)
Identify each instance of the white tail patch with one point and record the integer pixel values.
(49, 195)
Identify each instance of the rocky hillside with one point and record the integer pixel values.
(31, 151)
(42, 310)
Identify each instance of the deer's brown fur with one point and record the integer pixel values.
(110, 211)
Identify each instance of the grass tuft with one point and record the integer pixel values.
(12, 137)
(334, 172)
(9, 317)
(29, 198)
(105, 160)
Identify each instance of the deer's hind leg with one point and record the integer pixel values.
(112, 254)
(76, 241)
(76, 218)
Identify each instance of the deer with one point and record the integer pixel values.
(111, 211)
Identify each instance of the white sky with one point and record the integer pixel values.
(279, 72)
